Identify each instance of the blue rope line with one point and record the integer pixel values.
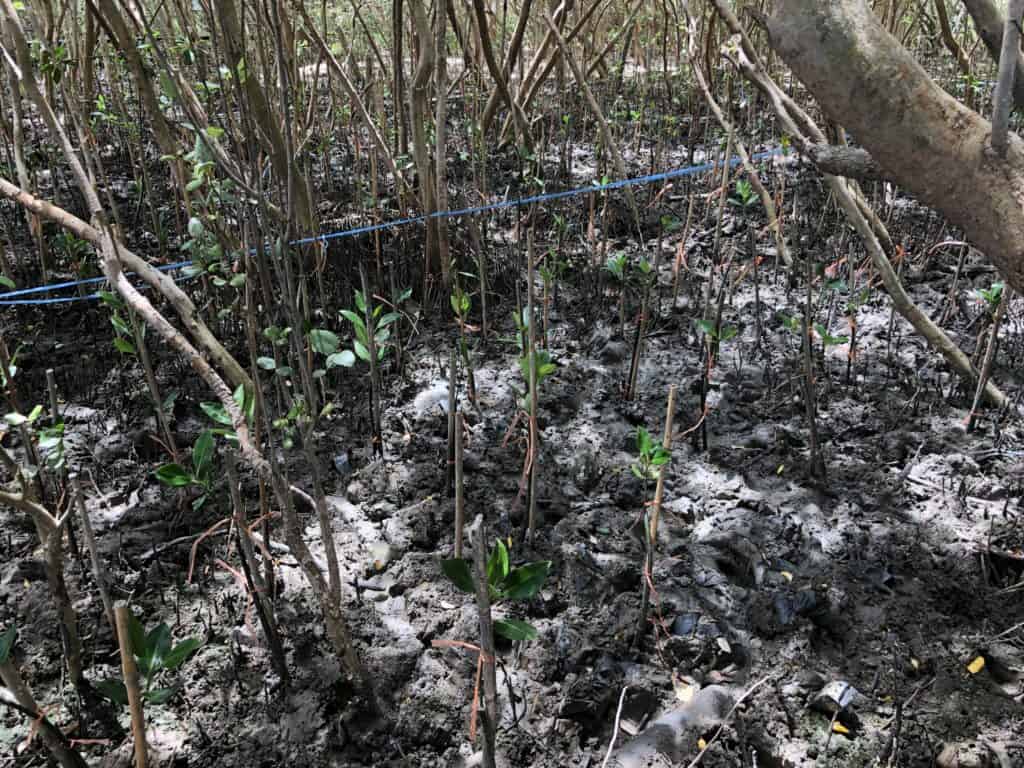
(74, 283)
(8, 299)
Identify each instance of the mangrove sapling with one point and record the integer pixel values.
(24, 702)
(533, 378)
(713, 335)
(651, 458)
(129, 692)
(646, 276)
(504, 583)
(616, 267)
(460, 501)
(853, 303)
(201, 475)
(371, 344)
(155, 657)
(534, 368)
(997, 299)
(461, 304)
(453, 377)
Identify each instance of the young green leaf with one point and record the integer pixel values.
(174, 658)
(202, 452)
(345, 358)
(124, 346)
(216, 412)
(515, 630)
(524, 582)
(266, 363)
(174, 475)
(323, 341)
(459, 574)
(150, 657)
(497, 565)
(361, 350)
(7, 643)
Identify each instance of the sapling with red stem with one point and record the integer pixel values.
(648, 467)
(493, 580)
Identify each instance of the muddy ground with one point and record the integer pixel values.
(775, 596)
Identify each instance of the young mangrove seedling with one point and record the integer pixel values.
(156, 658)
(461, 304)
(745, 196)
(174, 475)
(651, 459)
(503, 583)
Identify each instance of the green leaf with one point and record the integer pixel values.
(151, 656)
(246, 404)
(404, 295)
(497, 565)
(6, 282)
(181, 651)
(110, 299)
(213, 132)
(120, 325)
(124, 346)
(266, 363)
(707, 327)
(352, 317)
(238, 280)
(174, 475)
(216, 412)
(7, 642)
(322, 341)
(525, 582)
(345, 359)
(643, 441)
(458, 572)
(202, 452)
(387, 319)
(159, 695)
(361, 350)
(195, 227)
(360, 301)
(515, 630)
(114, 690)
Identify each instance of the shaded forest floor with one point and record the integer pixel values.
(877, 588)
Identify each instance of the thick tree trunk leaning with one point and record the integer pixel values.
(924, 139)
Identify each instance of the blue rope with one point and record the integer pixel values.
(8, 299)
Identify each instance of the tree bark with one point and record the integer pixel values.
(989, 21)
(925, 139)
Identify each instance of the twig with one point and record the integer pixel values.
(615, 730)
(725, 720)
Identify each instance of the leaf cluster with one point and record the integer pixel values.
(503, 583)
(155, 656)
